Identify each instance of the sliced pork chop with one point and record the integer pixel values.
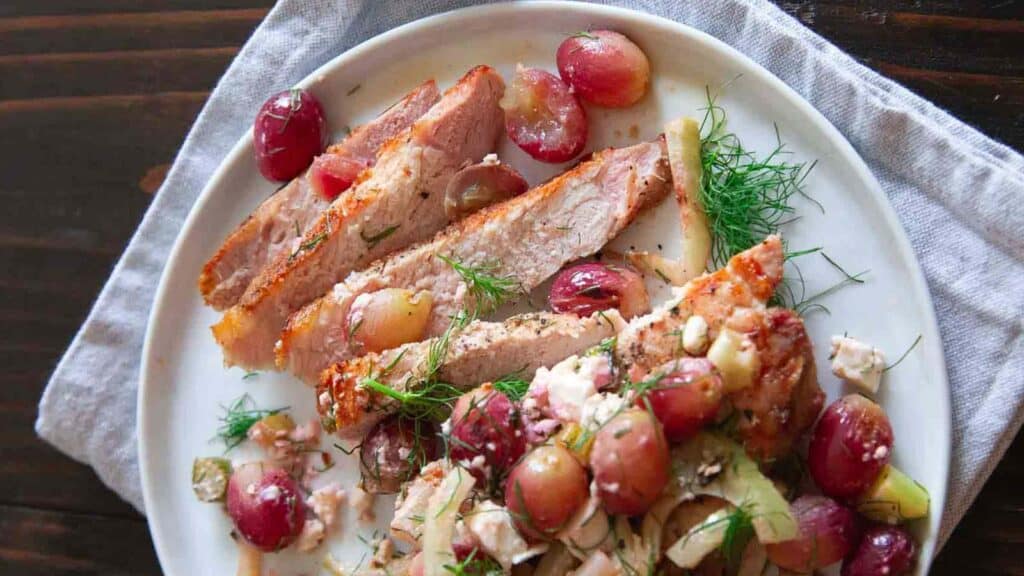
(482, 352)
(527, 238)
(748, 280)
(396, 203)
(277, 223)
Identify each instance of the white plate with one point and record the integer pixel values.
(183, 381)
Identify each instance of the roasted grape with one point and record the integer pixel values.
(289, 131)
(544, 490)
(687, 399)
(888, 550)
(851, 444)
(331, 174)
(630, 461)
(586, 288)
(485, 434)
(388, 318)
(266, 506)
(480, 185)
(604, 67)
(543, 117)
(828, 532)
(394, 451)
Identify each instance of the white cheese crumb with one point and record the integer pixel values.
(570, 382)
(857, 363)
(324, 502)
(311, 536)
(695, 335)
(736, 358)
(492, 527)
(490, 160)
(362, 502)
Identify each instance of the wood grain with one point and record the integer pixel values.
(95, 99)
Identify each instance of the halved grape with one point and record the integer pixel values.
(331, 174)
(544, 490)
(586, 288)
(394, 451)
(630, 461)
(266, 506)
(604, 67)
(485, 435)
(543, 117)
(480, 185)
(851, 444)
(687, 399)
(888, 550)
(388, 318)
(828, 532)
(289, 131)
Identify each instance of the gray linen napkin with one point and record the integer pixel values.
(959, 195)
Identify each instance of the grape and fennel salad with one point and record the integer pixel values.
(694, 440)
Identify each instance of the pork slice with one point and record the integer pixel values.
(398, 202)
(281, 218)
(747, 281)
(527, 238)
(481, 352)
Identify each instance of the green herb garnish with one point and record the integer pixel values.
(309, 245)
(375, 239)
(745, 197)
(238, 418)
(512, 385)
(489, 291)
(904, 355)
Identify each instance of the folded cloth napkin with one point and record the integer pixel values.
(959, 195)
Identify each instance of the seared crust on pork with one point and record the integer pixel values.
(482, 352)
(396, 203)
(527, 238)
(271, 228)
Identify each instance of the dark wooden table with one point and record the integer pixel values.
(96, 97)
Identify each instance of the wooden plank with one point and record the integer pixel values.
(38, 542)
(33, 76)
(127, 31)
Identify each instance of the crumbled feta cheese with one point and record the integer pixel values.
(490, 160)
(311, 535)
(599, 409)
(491, 526)
(324, 502)
(362, 502)
(570, 382)
(857, 363)
(695, 335)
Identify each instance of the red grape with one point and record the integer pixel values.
(851, 444)
(485, 436)
(586, 288)
(331, 174)
(604, 67)
(545, 489)
(394, 451)
(630, 461)
(687, 399)
(828, 532)
(289, 131)
(266, 506)
(480, 185)
(543, 117)
(885, 550)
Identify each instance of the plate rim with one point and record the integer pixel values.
(902, 242)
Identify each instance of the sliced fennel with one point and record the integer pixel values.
(701, 540)
(682, 138)
(714, 465)
(439, 521)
